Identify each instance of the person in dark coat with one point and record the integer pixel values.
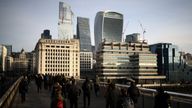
(73, 94)
(162, 100)
(133, 92)
(23, 88)
(86, 92)
(111, 96)
(39, 80)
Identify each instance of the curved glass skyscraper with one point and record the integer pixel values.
(108, 27)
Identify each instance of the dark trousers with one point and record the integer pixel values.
(110, 104)
(84, 99)
(22, 97)
(73, 103)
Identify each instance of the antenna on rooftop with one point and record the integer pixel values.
(143, 31)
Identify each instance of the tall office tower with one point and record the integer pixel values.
(46, 34)
(108, 27)
(86, 55)
(58, 57)
(167, 60)
(3, 54)
(83, 34)
(65, 24)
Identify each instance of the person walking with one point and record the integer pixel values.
(57, 100)
(133, 92)
(23, 88)
(111, 96)
(86, 87)
(39, 80)
(124, 101)
(73, 94)
(162, 99)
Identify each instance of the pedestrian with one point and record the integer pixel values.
(162, 99)
(111, 96)
(124, 100)
(23, 88)
(57, 100)
(133, 92)
(96, 88)
(86, 92)
(46, 82)
(39, 80)
(74, 92)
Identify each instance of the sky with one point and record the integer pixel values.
(23, 21)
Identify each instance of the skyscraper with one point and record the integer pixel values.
(86, 55)
(83, 34)
(108, 27)
(65, 24)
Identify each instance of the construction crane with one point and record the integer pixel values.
(123, 37)
(143, 31)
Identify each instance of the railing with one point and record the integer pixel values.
(8, 97)
(146, 100)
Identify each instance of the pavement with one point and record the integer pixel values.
(43, 99)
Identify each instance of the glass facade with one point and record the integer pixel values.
(112, 29)
(167, 59)
(65, 23)
(83, 34)
(108, 27)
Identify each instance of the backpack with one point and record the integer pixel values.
(60, 103)
(127, 103)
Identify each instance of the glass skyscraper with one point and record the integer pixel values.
(65, 24)
(86, 55)
(108, 27)
(83, 34)
(167, 59)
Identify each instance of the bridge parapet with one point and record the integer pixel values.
(7, 98)
(178, 100)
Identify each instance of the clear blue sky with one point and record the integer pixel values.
(23, 21)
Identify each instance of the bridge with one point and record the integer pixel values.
(11, 99)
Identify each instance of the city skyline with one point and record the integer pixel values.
(22, 22)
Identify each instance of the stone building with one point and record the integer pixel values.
(58, 57)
